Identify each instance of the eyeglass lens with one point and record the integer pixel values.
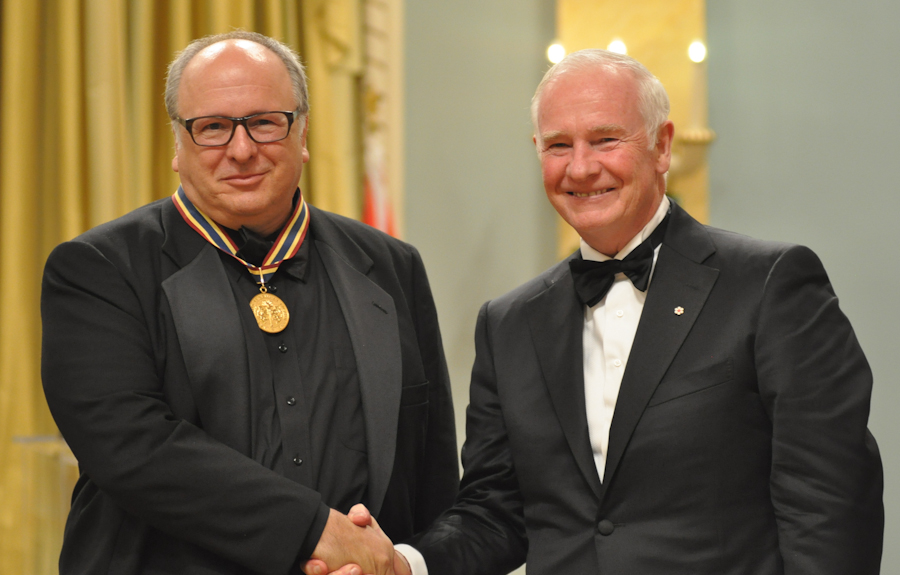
(263, 128)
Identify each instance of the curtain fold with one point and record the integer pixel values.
(84, 138)
(333, 44)
(20, 248)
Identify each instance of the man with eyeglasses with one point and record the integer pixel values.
(233, 368)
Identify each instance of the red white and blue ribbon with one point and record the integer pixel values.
(285, 247)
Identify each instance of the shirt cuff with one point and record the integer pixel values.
(416, 561)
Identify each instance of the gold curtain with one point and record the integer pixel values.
(334, 56)
(84, 138)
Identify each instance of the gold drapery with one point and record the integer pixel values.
(84, 138)
(334, 55)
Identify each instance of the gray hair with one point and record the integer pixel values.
(288, 56)
(652, 97)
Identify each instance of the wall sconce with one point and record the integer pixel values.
(691, 143)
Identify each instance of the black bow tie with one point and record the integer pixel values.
(593, 279)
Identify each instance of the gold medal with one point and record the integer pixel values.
(270, 312)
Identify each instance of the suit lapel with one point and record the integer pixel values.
(556, 320)
(212, 342)
(679, 281)
(372, 322)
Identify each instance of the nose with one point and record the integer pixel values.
(584, 163)
(241, 147)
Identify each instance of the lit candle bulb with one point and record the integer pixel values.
(697, 54)
(617, 46)
(556, 52)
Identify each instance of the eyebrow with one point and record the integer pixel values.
(606, 129)
(601, 129)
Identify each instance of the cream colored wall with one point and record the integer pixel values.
(475, 207)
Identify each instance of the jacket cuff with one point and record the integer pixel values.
(312, 537)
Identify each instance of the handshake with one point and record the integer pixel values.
(354, 544)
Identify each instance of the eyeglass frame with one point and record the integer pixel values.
(235, 122)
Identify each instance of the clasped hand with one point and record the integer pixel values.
(354, 544)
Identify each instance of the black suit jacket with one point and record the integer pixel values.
(738, 443)
(147, 374)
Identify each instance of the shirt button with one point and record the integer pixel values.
(282, 348)
(617, 363)
(620, 313)
(606, 527)
(272, 289)
(291, 401)
(298, 461)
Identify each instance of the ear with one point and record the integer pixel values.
(303, 139)
(177, 148)
(664, 137)
(537, 147)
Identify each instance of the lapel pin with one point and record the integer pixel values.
(679, 310)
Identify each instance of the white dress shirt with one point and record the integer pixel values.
(609, 329)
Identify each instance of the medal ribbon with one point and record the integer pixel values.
(285, 247)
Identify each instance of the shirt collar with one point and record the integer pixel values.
(589, 253)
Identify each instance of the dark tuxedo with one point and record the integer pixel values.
(738, 444)
(148, 376)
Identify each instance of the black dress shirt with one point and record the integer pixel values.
(308, 424)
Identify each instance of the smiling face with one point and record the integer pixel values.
(242, 183)
(601, 171)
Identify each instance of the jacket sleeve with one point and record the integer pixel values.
(438, 477)
(826, 479)
(484, 532)
(103, 383)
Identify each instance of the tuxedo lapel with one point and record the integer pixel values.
(210, 334)
(372, 322)
(677, 293)
(556, 320)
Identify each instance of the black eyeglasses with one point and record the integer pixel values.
(263, 128)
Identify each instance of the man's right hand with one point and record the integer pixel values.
(355, 545)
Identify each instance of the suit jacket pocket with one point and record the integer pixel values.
(698, 380)
(414, 394)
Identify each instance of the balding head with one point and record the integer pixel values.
(290, 59)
